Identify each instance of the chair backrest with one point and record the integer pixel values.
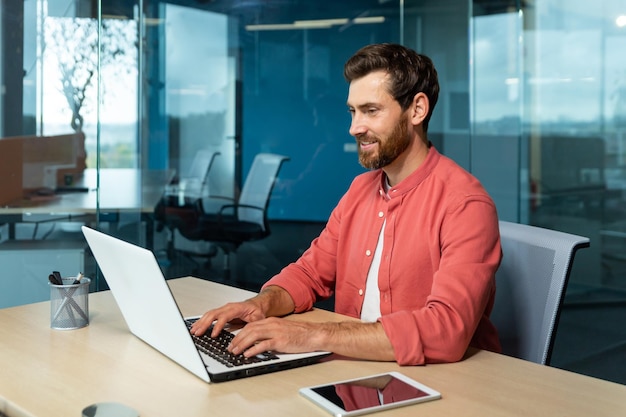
(530, 285)
(258, 186)
(201, 165)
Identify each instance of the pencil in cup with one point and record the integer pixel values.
(69, 304)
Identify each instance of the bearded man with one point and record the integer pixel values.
(411, 249)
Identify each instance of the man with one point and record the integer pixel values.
(412, 247)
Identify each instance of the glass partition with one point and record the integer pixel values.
(547, 140)
(546, 96)
(139, 88)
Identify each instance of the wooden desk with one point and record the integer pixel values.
(50, 372)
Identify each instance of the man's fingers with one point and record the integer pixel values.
(200, 326)
(218, 326)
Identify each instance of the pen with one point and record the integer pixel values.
(78, 278)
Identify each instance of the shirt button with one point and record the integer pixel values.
(360, 291)
(368, 252)
(381, 214)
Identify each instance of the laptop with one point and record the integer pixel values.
(151, 313)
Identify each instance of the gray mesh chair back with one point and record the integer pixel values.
(256, 190)
(530, 285)
(192, 185)
(201, 165)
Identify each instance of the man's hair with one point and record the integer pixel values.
(409, 73)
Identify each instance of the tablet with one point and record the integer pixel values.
(369, 394)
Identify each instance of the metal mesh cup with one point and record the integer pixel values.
(69, 304)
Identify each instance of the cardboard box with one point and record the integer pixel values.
(28, 163)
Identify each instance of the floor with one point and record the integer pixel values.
(591, 335)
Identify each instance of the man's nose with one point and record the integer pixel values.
(357, 127)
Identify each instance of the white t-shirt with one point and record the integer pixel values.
(371, 301)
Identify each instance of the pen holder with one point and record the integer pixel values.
(69, 304)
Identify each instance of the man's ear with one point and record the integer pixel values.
(419, 108)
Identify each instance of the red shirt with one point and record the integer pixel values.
(437, 270)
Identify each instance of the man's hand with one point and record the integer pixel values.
(276, 334)
(272, 301)
(247, 311)
(265, 331)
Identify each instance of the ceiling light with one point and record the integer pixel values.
(277, 26)
(316, 24)
(367, 20)
(320, 22)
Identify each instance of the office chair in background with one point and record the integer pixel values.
(530, 286)
(228, 222)
(182, 192)
(201, 166)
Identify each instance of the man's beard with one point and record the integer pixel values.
(388, 148)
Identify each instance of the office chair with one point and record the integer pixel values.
(198, 173)
(179, 194)
(530, 286)
(228, 222)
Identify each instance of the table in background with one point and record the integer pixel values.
(122, 195)
(122, 190)
(49, 372)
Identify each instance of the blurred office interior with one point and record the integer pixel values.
(108, 99)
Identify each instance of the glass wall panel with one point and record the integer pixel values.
(573, 122)
(70, 128)
(48, 118)
(146, 85)
(576, 73)
(497, 109)
(200, 81)
(547, 132)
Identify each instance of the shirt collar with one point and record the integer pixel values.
(414, 179)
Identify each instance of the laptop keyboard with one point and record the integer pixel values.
(217, 348)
